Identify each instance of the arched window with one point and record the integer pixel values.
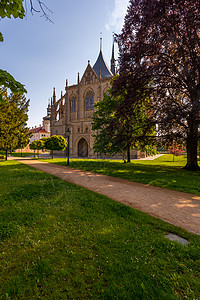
(106, 91)
(73, 104)
(89, 100)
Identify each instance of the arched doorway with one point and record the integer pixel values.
(82, 148)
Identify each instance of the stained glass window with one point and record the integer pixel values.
(73, 104)
(89, 100)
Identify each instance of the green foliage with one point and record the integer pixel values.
(33, 145)
(156, 42)
(1, 37)
(13, 120)
(44, 139)
(40, 144)
(8, 81)
(55, 142)
(23, 138)
(118, 129)
(12, 8)
(104, 114)
(37, 145)
(61, 241)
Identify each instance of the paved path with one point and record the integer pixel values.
(178, 208)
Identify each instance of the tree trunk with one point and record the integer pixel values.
(128, 154)
(192, 142)
(6, 154)
(52, 154)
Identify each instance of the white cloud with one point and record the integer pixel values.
(116, 17)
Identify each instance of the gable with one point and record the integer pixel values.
(89, 76)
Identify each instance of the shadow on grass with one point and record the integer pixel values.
(162, 173)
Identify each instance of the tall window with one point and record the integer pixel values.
(89, 100)
(106, 91)
(73, 104)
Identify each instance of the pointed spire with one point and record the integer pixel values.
(78, 80)
(54, 95)
(113, 61)
(61, 94)
(100, 41)
(66, 85)
(49, 107)
(101, 63)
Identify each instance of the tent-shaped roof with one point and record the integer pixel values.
(101, 64)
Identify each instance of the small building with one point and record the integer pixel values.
(38, 133)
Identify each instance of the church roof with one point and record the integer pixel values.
(101, 64)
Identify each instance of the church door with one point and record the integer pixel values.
(82, 148)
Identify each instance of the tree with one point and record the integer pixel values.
(55, 142)
(161, 40)
(13, 119)
(44, 139)
(23, 139)
(37, 145)
(118, 127)
(33, 146)
(176, 149)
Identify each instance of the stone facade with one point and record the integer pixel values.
(74, 110)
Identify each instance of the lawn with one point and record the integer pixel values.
(17, 154)
(162, 171)
(61, 241)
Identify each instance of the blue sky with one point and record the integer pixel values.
(42, 55)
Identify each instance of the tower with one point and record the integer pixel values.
(113, 67)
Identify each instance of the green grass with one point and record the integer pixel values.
(61, 241)
(162, 171)
(18, 154)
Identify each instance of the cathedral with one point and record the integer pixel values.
(71, 114)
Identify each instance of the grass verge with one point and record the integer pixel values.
(24, 154)
(162, 171)
(61, 241)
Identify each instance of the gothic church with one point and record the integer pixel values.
(73, 111)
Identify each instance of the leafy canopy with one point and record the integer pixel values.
(161, 40)
(13, 118)
(119, 128)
